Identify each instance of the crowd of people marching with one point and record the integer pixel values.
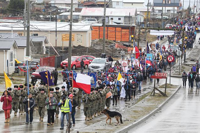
(108, 90)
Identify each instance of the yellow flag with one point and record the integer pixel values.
(119, 77)
(7, 81)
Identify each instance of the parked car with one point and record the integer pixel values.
(99, 64)
(89, 21)
(75, 62)
(33, 65)
(36, 75)
(168, 26)
(89, 57)
(199, 41)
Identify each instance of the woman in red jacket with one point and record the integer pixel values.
(6, 99)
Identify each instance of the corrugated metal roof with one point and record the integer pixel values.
(6, 44)
(63, 1)
(45, 26)
(134, 1)
(109, 12)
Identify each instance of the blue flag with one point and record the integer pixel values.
(93, 75)
(46, 77)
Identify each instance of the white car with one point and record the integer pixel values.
(90, 21)
(99, 64)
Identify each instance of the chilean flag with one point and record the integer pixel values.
(136, 52)
(82, 81)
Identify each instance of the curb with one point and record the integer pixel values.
(127, 128)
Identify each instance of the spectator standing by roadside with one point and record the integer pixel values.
(82, 66)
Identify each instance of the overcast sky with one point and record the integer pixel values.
(186, 2)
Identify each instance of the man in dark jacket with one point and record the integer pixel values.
(191, 79)
(82, 65)
(29, 108)
(197, 79)
(184, 78)
(55, 75)
(139, 79)
(127, 87)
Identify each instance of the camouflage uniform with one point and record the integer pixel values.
(58, 97)
(80, 92)
(107, 99)
(21, 104)
(98, 103)
(86, 106)
(41, 104)
(90, 104)
(15, 100)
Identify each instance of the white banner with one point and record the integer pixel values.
(161, 32)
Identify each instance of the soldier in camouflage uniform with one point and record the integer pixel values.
(15, 99)
(103, 97)
(107, 89)
(98, 102)
(58, 97)
(75, 93)
(95, 101)
(90, 104)
(86, 106)
(23, 95)
(51, 90)
(41, 97)
(64, 92)
(80, 92)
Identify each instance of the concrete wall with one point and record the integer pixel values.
(7, 57)
(20, 54)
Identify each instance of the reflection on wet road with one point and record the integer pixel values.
(180, 114)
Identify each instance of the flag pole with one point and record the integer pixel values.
(72, 82)
(5, 87)
(48, 84)
(27, 84)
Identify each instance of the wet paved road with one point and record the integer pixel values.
(180, 115)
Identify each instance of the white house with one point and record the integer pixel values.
(113, 15)
(133, 3)
(116, 4)
(7, 55)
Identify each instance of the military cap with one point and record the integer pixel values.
(29, 85)
(51, 89)
(57, 88)
(63, 87)
(9, 89)
(15, 86)
(21, 86)
(92, 89)
(25, 84)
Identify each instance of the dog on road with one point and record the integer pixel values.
(111, 114)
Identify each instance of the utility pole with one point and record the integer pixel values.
(162, 16)
(56, 27)
(104, 26)
(70, 38)
(174, 12)
(146, 22)
(28, 33)
(24, 17)
(139, 36)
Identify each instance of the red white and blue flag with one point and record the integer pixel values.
(82, 81)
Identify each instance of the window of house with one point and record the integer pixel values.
(20, 34)
(35, 34)
(119, 18)
(11, 56)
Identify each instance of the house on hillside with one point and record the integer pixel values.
(64, 4)
(113, 15)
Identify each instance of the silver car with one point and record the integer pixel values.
(99, 64)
